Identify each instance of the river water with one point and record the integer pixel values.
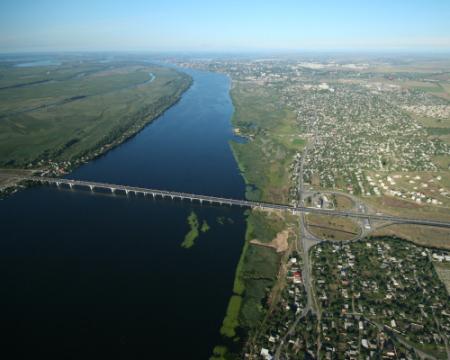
(99, 275)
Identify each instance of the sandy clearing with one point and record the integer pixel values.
(279, 243)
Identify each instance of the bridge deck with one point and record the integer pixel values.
(220, 200)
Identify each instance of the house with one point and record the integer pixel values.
(265, 354)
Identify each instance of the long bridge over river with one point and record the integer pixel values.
(92, 185)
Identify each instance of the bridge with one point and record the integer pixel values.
(113, 188)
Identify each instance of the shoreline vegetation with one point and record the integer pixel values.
(75, 112)
(261, 161)
(253, 287)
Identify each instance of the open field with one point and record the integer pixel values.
(425, 66)
(430, 122)
(332, 227)
(75, 111)
(342, 203)
(399, 207)
(437, 88)
(442, 162)
(443, 271)
(421, 235)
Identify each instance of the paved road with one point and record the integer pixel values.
(227, 201)
(305, 242)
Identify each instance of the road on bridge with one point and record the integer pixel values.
(226, 201)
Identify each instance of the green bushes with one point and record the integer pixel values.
(255, 275)
(231, 322)
(264, 227)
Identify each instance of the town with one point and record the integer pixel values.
(379, 298)
(356, 134)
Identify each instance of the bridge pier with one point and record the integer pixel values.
(294, 209)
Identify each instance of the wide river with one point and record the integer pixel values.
(98, 275)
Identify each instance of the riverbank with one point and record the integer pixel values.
(264, 162)
(8, 182)
(117, 260)
(91, 125)
(78, 109)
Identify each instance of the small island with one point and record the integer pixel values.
(194, 232)
(205, 227)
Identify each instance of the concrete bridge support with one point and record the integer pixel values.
(220, 200)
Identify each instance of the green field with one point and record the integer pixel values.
(72, 112)
(270, 127)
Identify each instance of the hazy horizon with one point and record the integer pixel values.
(232, 26)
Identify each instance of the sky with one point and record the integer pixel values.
(225, 25)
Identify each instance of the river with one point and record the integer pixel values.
(99, 275)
